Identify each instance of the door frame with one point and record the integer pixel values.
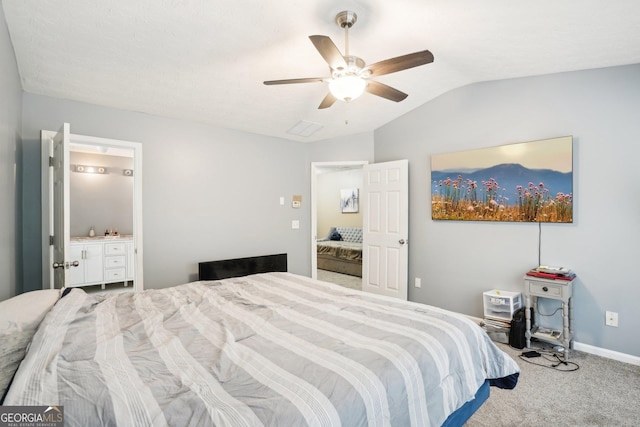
(46, 138)
(315, 167)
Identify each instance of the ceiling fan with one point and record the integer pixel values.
(350, 77)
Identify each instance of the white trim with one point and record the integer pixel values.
(609, 354)
(46, 197)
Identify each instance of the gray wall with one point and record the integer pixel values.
(10, 151)
(358, 147)
(457, 261)
(208, 193)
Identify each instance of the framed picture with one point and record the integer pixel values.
(525, 182)
(349, 201)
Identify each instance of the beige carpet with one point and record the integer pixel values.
(346, 280)
(603, 392)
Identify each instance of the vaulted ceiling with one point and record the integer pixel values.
(206, 60)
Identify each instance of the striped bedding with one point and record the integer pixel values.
(272, 349)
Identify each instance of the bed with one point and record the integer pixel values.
(272, 348)
(341, 251)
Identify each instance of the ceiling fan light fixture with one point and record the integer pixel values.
(350, 76)
(347, 88)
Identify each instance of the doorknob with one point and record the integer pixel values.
(58, 265)
(402, 241)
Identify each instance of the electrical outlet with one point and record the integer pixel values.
(418, 283)
(611, 318)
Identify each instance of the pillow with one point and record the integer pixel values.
(335, 236)
(19, 319)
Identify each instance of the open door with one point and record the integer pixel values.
(61, 235)
(58, 222)
(385, 228)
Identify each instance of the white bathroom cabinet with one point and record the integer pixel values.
(90, 270)
(101, 261)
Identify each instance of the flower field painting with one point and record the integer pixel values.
(524, 182)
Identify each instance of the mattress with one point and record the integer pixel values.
(266, 349)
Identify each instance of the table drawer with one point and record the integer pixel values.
(115, 261)
(546, 290)
(115, 275)
(114, 249)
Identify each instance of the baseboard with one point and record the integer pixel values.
(609, 354)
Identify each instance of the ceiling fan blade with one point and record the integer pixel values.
(292, 81)
(400, 63)
(384, 91)
(327, 101)
(329, 52)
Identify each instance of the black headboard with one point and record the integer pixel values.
(218, 270)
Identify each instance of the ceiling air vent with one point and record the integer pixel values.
(305, 128)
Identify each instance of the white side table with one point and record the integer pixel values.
(562, 290)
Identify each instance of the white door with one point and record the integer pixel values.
(76, 275)
(56, 202)
(61, 237)
(385, 228)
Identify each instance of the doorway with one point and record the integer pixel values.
(384, 202)
(98, 231)
(333, 183)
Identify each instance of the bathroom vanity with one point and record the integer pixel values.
(101, 260)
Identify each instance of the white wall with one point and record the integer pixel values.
(459, 260)
(10, 115)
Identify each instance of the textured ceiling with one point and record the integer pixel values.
(205, 60)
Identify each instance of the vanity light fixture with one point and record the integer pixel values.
(89, 169)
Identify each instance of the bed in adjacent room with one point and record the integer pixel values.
(272, 348)
(341, 251)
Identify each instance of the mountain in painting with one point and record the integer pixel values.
(509, 176)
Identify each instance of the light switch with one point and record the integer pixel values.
(295, 224)
(281, 201)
